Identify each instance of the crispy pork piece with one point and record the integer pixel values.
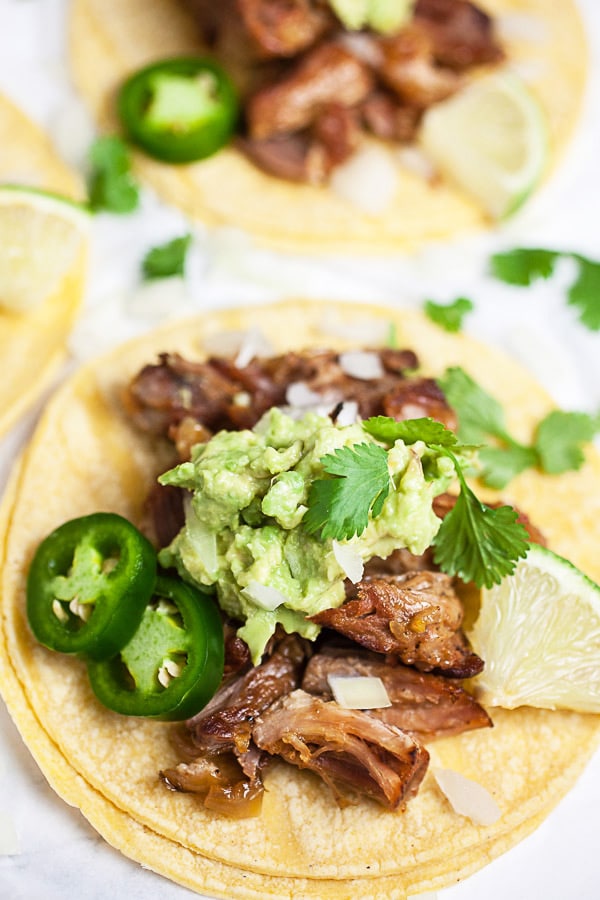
(187, 401)
(414, 398)
(428, 706)
(408, 68)
(327, 74)
(261, 28)
(353, 752)
(388, 118)
(226, 722)
(461, 33)
(416, 617)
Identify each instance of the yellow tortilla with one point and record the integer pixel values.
(32, 345)
(86, 457)
(109, 40)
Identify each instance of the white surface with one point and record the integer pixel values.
(58, 853)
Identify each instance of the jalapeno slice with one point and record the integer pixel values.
(179, 110)
(88, 585)
(173, 664)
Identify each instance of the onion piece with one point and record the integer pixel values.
(359, 691)
(349, 560)
(348, 414)
(467, 797)
(299, 394)
(264, 596)
(361, 364)
(363, 47)
(368, 180)
(414, 160)
(230, 343)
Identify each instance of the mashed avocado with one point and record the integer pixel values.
(384, 16)
(244, 534)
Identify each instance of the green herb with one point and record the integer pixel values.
(479, 543)
(111, 185)
(449, 316)
(167, 259)
(392, 337)
(584, 293)
(475, 541)
(558, 440)
(559, 437)
(339, 507)
(523, 266)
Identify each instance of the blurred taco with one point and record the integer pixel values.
(88, 454)
(321, 99)
(40, 288)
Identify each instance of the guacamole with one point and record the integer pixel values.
(384, 16)
(243, 532)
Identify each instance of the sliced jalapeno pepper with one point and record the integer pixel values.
(88, 585)
(179, 110)
(173, 664)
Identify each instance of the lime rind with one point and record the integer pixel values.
(539, 634)
(474, 139)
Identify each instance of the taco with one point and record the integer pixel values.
(88, 456)
(265, 182)
(33, 342)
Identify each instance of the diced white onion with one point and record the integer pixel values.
(253, 344)
(9, 842)
(368, 180)
(299, 394)
(359, 691)
(230, 343)
(363, 47)
(264, 596)
(413, 159)
(467, 797)
(348, 414)
(361, 364)
(521, 27)
(349, 560)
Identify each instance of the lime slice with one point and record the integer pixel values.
(42, 237)
(490, 140)
(539, 634)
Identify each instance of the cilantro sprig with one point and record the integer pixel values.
(449, 316)
(111, 185)
(558, 440)
(166, 260)
(477, 542)
(339, 507)
(522, 266)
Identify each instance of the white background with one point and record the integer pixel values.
(55, 853)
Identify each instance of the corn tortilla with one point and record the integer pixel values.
(86, 457)
(32, 345)
(109, 40)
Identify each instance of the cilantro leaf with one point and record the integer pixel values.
(584, 293)
(523, 266)
(479, 414)
(559, 437)
(479, 543)
(167, 259)
(339, 507)
(449, 316)
(502, 464)
(111, 185)
(388, 430)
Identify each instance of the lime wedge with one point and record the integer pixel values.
(490, 140)
(43, 238)
(539, 634)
